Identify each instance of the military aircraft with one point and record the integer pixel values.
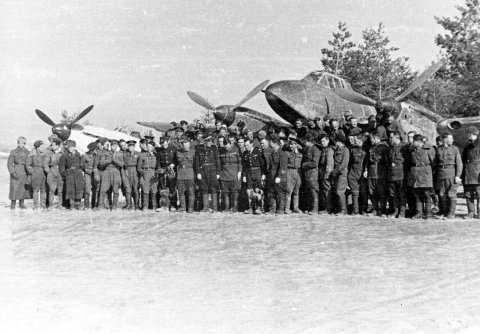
(230, 114)
(321, 93)
(83, 135)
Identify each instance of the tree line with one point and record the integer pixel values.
(372, 69)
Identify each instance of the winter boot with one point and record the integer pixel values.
(128, 201)
(182, 205)
(314, 210)
(235, 202)
(342, 201)
(452, 208)
(35, 199)
(273, 205)
(205, 199)
(115, 202)
(145, 198)
(428, 208)
(101, 201)
(281, 203)
(214, 202)
(355, 205)
(401, 212)
(136, 200)
(295, 203)
(12, 204)
(288, 202)
(226, 201)
(419, 208)
(86, 201)
(191, 203)
(471, 209)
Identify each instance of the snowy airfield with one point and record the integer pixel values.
(121, 272)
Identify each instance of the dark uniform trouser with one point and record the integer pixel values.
(87, 184)
(325, 188)
(472, 191)
(39, 188)
(377, 189)
(313, 190)
(423, 200)
(208, 184)
(55, 182)
(446, 190)
(397, 192)
(359, 190)
(278, 193)
(186, 187)
(149, 184)
(166, 189)
(130, 182)
(294, 182)
(337, 192)
(230, 193)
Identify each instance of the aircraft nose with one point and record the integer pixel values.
(286, 98)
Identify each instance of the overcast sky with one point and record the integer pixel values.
(135, 60)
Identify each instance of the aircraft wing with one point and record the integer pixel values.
(92, 133)
(159, 126)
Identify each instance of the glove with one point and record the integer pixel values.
(277, 180)
(458, 180)
(365, 174)
(264, 177)
(244, 179)
(239, 176)
(218, 176)
(14, 176)
(199, 176)
(171, 166)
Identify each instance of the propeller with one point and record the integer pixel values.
(226, 113)
(390, 103)
(63, 130)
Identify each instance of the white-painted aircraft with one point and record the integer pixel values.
(83, 135)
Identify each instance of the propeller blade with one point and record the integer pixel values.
(201, 101)
(354, 97)
(252, 93)
(44, 117)
(81, 115)
(76, 127)
(424, 76)
(425, 112)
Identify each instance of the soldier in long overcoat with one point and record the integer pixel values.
(471, 172)
(70, 166)
(18, 173)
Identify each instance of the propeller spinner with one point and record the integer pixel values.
(389, 104)
(226, 113)
(63, 129)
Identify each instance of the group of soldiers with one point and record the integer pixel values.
(312, 167)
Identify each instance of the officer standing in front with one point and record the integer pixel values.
(471, 172)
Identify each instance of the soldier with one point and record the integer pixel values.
(88, 162)
(185, 158)
(253, 167)
(230, 175)
(310, 162)
(471, 172)
(207, 169)
(277, 177)
(300, 128)
(448, 168)
(420, 176)
(112, 178)
(355, 179)
(333, 129)
(410, 197)
(70, 166)
(18, 173)
(54, 179)
(146, 168)
(376, 170)
(294, 177)
(266, 151)
(34, 165)
(397, 155)
(341, 157)
(166, 176)
(102, 159)
(325, 167)
(130, 181)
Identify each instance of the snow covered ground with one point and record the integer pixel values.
(121, 272)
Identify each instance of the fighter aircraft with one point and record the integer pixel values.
(230, 114)
(321, 93)
(83, 135)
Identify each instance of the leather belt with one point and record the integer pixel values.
(445, 166)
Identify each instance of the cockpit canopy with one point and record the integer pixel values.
(327, 80)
